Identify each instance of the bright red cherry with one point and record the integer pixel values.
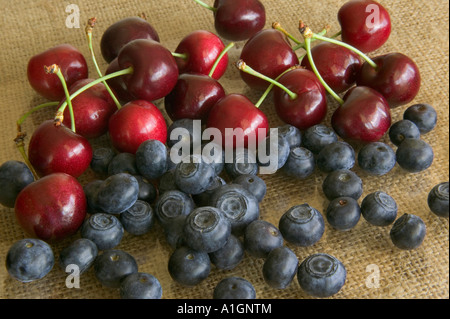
(363, 118)
(267, 52)
(134, 123)
(51, 208)
(123, 31)
(397, 78)
(57, 149)
(71, 62)
(117, 84)
(155, 71)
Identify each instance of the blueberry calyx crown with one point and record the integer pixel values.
(233, 205)
(204, 219)
(321, 265)
(102, 221)
(301, 214)
(385, 200)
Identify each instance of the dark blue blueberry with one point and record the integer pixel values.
(423, 115)
(213, 154)
(151, 159)
(321, 275)
(317, 137)
(243, 162)
(414, 155)
(90, 190)
(193, 176)
(105, 230)
(204, 199)
(335, 156)
(342, 183)
(379, 209)
(189, 267)
(302, 225)
(167, 182)
(186, 131)
(261, 237)
(376, 158)
(230, 255)
(138, 219)
(401, 130)
(206, 229)
(234, 288)
(14, 176)
(238, 204)
(291, 134)
(300, 163)
(101, 157)
(123, 163)
(408, 232)
(254, 184)
(343, 213)
(140, 285)
(174, 232)
(114, 265)
(438, 200)
(82, 252)
(147, 191)
(29, 259)
(117, 193)
(273, 153)
(171, 205)
(280, 267)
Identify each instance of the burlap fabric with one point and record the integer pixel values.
(419, 30)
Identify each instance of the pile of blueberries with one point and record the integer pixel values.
(209, 210)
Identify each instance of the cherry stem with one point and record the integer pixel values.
(300, 45)
(219, 58)
(207, 6)
(19, 140)
(183, 56)
(241, 65)
(89, 27)
(34, 109)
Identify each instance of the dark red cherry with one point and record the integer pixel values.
(363, 118)
(71, 62)
(337, 65)
(397, 78)
(136, 122)
(123, 31)
(193, 96)
(238, 20)
(267, 52)
(117, 84)
(155, 71)
(51, 208)
(365, 24)
(57, 149)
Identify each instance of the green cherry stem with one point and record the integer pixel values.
(180, 55)
(277, 26)
(207, 6)
(34, 109)
(219, 58)
(20, 144)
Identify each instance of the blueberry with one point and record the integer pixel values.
(438, 200)
(183, 130)
(174, 232)
(101, 157)
(29, 259)
(112, 266)
(342, 183)
(82, 252)
(147, 191)
(140, 285)
(317, 137)
(167, 182)
(414, 155)
(321, 275)
(171, 205)
(206, 229)
(189, 267)
(408, 232)
(423, 115)
(261, 237)
(117, 193)
(213, 154)
(234, 288)
(254, 184)
(376, 158)
(105, 230)
(90, 190)
(302, 225)
(238, 204)
(14, 176)
(343, 213)
(230, 255)
(204, 198)
(123, 163)
(151, 159)
(273, 152)
(291, 134)
(379, 209)
(280, 267)
(138, 219)
(336, 156)
(193, 176)
(300, 163)
(401, 130)
(243, 162)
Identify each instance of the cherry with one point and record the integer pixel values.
(51, 208)
(71, 62)
(396, 77)
(269, 53)
(365, 24)
(122, 32)
(155, 70)
(136, 122)
(117, 84)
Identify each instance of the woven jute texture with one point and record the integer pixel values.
(419, 30)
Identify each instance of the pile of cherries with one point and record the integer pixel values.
(50, 203)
